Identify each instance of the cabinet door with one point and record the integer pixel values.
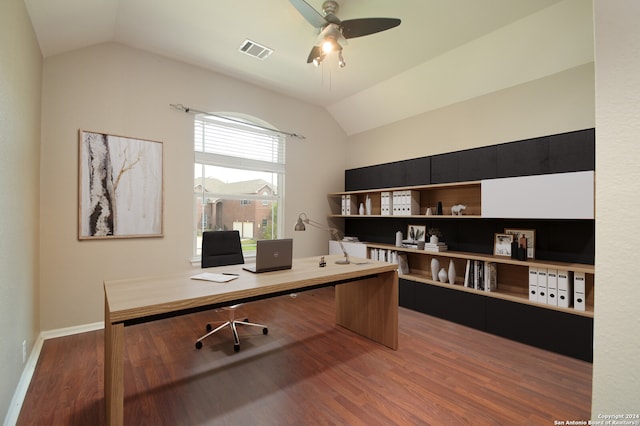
(572, 152)
(477, 164)
(453, 305)
(407, 294)
(523, 158)
(417, 171)
(556, 331)
(386, 175)
(444, 168)
(556, 196)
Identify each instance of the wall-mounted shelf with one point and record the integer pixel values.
(428, 196)
(513, 284)
(545, 184)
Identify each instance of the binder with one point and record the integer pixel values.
(349, 205)
(579, 302)
(552, 287)
(565, 288)
(542, 285)
(533, 283)
(386, 203)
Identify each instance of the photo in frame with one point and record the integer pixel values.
(502, 244)
(120, 187)
(416, 232)
(529, 234)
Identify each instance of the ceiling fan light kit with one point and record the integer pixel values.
(334, 32)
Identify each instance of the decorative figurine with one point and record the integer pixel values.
(457, 209)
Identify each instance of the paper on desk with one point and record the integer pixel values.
(210, 276)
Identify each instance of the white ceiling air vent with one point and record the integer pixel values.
(254, 49)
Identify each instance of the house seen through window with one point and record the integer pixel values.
(238, 179)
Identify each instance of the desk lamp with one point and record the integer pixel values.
(303, 218)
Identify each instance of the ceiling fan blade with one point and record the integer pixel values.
(352, 28)
(309, 13)
(316, 52)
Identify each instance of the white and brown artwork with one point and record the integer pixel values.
(120, 187)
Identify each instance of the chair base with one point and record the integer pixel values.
(231, 323)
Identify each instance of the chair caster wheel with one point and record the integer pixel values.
(209, 328)
(265, 330)
(198, 345)
(236, 348)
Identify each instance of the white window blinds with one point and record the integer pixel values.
(229, 143)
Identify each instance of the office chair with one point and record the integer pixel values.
(221, 248)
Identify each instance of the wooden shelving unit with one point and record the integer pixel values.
(467, 193)
(512, 274)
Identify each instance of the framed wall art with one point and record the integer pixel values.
(120, 187)
(416, 232)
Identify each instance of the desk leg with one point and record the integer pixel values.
(370, 308)
(113, 370)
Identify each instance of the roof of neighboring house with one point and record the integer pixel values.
(216, 186)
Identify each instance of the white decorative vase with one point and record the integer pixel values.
(361, 209)
(452, 272)
(398, 239)
(368, 205)
(433, 239)
(435, 266)
(442, 275)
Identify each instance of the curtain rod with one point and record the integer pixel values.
(188, 110)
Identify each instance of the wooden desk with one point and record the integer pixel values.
(366, 301)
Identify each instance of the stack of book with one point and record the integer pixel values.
(435, 247)
(481, 275)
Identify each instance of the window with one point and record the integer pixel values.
(238, 179)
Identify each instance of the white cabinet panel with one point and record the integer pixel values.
(553, 196)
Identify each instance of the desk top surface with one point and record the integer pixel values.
(154, 295)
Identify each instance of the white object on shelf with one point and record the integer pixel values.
(405, 203)
(353, 249)
(552, 196)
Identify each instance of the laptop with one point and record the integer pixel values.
(272, 255)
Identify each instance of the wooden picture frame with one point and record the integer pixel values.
(529, 234)
(416, 232)
(502, 244)
(120, 187)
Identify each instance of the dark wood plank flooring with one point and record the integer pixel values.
(309, 371)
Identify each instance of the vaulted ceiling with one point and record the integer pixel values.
(443, 52)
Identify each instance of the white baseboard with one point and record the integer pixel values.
(30, 366)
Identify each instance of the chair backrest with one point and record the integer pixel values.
(220, 248)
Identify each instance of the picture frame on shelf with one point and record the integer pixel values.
(416, 232)
(502, 244)
(529, 234)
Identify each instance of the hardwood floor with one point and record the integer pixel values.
(309, 371)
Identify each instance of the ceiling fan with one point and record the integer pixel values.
(334, 32)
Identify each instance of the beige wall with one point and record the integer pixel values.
(616, 374)
(114, 89)
(555, 104)
(20, 87)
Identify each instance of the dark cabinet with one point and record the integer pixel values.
(566, 240)
(560, 332)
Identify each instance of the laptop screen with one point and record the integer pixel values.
(272, 255)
